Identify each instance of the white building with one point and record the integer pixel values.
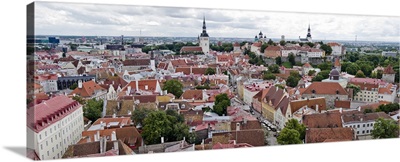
(315, 53)
(363, 124)
(48, 82)
(54, 125)
(337, 49)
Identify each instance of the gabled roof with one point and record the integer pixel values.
(88, 89)
(151, 85)
(324, 120)
(115, 81)
(389, 70)
(310, 103)
(178, 63)
(273, 48)
(146, 98)
(283, 105)
(358, 116)
(257, 44)
(254, 137)
(325, 88)
(342, 104)
(120, 108)
(190, 94)
(191, 49)
(316, 135)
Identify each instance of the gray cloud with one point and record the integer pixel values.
(98, 19)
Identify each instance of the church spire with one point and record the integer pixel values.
(204, 33)
(309, 31)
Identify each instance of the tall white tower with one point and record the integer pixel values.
(152, 61)
(204, 39)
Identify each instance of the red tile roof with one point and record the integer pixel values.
(224, 58)
(191, 49)
(333, 44)
(151, 85)
(389, 70)
(190, 94)
(325, 88)
(178, 63)
(257, 44)
(307, 65)
(45, 77)
(310, 103)
(342, 104)
(146, 98)
(48, 112)
(88, 89)
(136, 62)
(324, 120)
(316, 135)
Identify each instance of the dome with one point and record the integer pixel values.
(334, 72)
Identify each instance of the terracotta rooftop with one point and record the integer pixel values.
(88, 89)
(389, 70)
(121, 107)
(360, 116)
(190, 94)
(136, 62)
(146, 98)
(310, 103)
(317, 135)
(342, 104)
(254, 137)
(191, 49)
(325, 88)
(324, 120)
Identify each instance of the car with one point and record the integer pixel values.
(252, 113)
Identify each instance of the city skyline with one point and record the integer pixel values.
(112, 20)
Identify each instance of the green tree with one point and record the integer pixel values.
(280, 86)
(221, 102)
(311, 72)
(289, 136)
(321, 75)
(139, 115)
(292, 81)
(179, 117)
(387, 108)
(278, 60)
(173, 86)
(325, 66)
(294, 124)
(269, 76)
(79, 99)
(355, 88)
(273, 68)
(385, 128)
(360, 74)
(327, 49)
(282, 43)
(93, 109)
(156, 125)
(352, 69)
(73, 86)
(368, 111)
(292, 59)
(210, 71)
(263, 47)
(270, 42)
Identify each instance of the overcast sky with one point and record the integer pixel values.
(53, 18)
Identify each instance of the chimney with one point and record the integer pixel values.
(202, 143)
(359, 108)
(137, 85)
(146, 87)
(101, 125)
(237, 126)
(245, 120)
(97, 135)
(114, 115)
(316, 107)
(234, 142)
(89, 139)
(79, 84)
(129, 90)
(101, 146)
(162, 139)
(341, 110)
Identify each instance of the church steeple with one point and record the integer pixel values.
(204, 33)
(309, 31)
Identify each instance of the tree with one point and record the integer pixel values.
(292, 59)
(385, 128)
(311, 72)
(269, 76)
(387, 108)
(221, 102)
(263, 47)
(282, 43)
(289, 136)
(270, 42)
(173, 86)
(292, 81)
(321, 75)
(325, 66)
(294, 124)
(93, 109)
(156, 125)
(280, 86)
(278, 60)
(360, 74)
(73, 86)
(210, 71)
(327, 49)
(79, 99)
(355, 88)
(352, 69)
(273, 68)
(139, 115)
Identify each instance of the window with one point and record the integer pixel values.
(40, 136)
(48, 154)
(58, 155)
(358, 132)
(51, 139)
(367, 125)
(47, 143)
(367, 131)
(41, 146)
(363, 132)
(50, 130)
(45, 133)
(363, 125)
(52, 149)
(358, 126)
